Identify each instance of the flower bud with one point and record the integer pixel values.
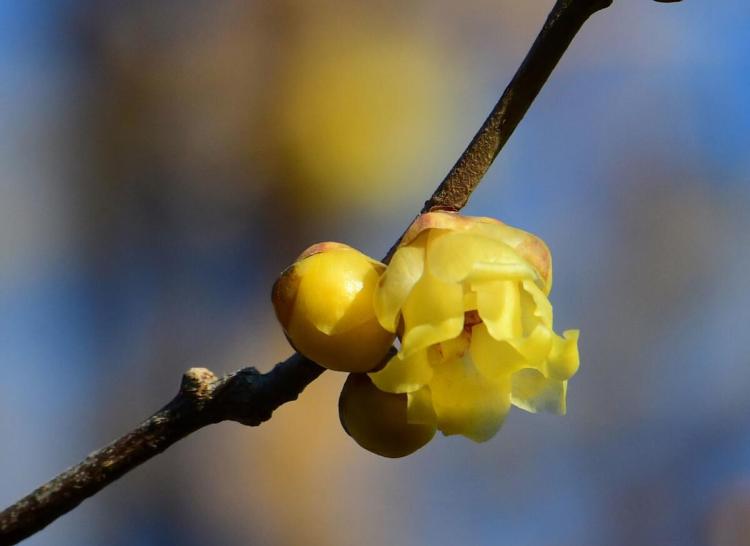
(377, 420)
(324, 302)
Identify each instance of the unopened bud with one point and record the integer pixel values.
(377, 420)
(324, 302)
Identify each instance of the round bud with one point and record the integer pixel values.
(377, 420)
(324, 302)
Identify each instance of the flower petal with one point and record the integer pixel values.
(453, 348)
(535, 347)
(541, 307)
(404, 374)
(492, 358)
(453, 256)
(468, 403)
(336, 288)
(527, 245)
(419, 410)
(489, 271)
(394, 286)
(433, 312)
(499, 306)
(563, 358)
(470, 301)
(533, 392)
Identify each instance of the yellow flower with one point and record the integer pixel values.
(468, 297)
(324, 303)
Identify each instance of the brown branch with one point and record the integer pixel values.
(248, 396)
(562, 24)
(558, 32)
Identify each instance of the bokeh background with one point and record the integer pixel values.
(160, 162)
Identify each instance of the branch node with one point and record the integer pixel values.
(196, 383)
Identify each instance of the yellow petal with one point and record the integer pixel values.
(468, 403)
(533, 392)
(499, 306)
(535, 301)
(489, 271)
(404, 374)
(394, 286)
(336, 289)
(493, 358)
(470, 301)
(455, 255)
(527, 245)
(434, 312)
(536, 347)
(360, 349)
(453, 348)
(563, 358)
(535, 251)
(419, 410)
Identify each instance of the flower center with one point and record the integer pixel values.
(471, 319)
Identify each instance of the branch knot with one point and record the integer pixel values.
(196, 383)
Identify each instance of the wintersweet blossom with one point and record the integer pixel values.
(468, 298)
(324, 303)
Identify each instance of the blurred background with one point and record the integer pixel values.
(161, 162)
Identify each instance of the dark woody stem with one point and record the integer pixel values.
(562, 24)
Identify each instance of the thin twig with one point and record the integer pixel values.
(558, 32)
(562, 24)
(248, 396)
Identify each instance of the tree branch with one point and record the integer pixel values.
(562, 24)
(248, 396)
